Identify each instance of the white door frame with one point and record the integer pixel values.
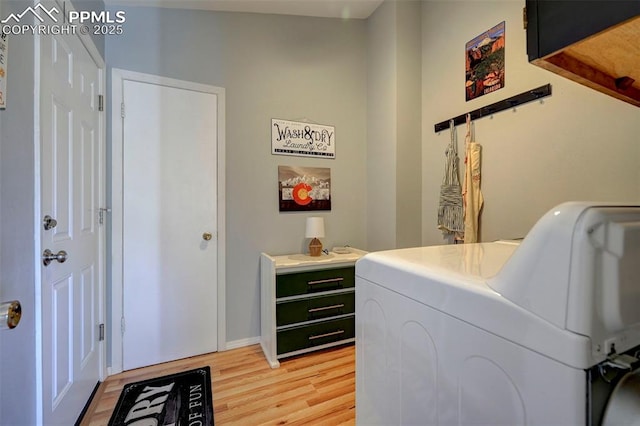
(118, 77)
(88, 43)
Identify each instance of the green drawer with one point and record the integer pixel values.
(308, 336)
(314, 281)
(315, 307)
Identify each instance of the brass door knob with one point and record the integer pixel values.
(10, 313)
(207, 236)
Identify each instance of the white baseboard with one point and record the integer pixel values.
(111, 370)
(242, 343)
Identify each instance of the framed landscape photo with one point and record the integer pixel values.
(304, 188)
(484, 63)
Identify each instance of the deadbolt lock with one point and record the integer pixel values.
(49, 223)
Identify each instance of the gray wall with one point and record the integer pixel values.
(271, 67)
(577, 144)
(381, 128)
(393, 126)
(92, 5)
(17, 279)
(409, 135)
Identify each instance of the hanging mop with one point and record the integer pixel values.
(471, 194)
(450, 212)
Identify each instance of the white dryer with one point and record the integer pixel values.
(545, 331)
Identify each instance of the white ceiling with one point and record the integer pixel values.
(359, 9)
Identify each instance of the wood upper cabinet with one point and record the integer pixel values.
(593, 42)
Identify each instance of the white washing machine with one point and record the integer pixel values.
(545, 331)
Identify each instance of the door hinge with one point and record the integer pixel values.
(122, 325)
(525, 23)
(101, 212)
(101, 332)
(100, 102)
(122, 110)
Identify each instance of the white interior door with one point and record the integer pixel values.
(169, 208)
(71, 182)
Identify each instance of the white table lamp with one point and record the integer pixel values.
(315, 230)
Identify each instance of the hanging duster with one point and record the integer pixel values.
(450, 211)
(471, 194)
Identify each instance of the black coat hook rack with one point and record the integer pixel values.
(512, 102)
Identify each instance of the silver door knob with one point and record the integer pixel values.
(48, 256)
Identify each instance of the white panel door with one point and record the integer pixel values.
(169, 208)
(70, 194)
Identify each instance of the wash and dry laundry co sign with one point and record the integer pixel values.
(302, 139)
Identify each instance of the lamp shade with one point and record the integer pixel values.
(315, 227)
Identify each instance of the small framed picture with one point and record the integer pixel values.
(484, 63)
(304, 188)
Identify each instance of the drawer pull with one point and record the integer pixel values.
(326, 308)
(330, 280)
(320, 336)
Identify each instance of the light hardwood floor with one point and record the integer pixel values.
(317, 388)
